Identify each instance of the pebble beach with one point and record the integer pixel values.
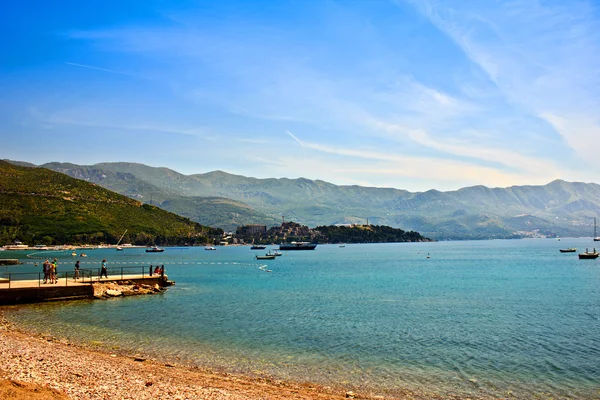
(42, 367)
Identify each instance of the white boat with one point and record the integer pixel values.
(154, 249)
(297, 246)
(210, 248)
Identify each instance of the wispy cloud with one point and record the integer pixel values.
(299, 142)
(542, 57)
(98, 68)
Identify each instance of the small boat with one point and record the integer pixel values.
(74, 254)
(210, 248)
(83, 255)
(266, 257)
(276, 253)
(297, 246)
(587, 255)
(258, 247)
(569, 250)
(154, 249)
(119, 248)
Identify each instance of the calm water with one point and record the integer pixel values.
(487, 318)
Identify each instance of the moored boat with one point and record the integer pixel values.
(266, 257)
(210, 248)
(154, 249)
(569, 250)
(297, 246)
(258, 247)
(589, 254)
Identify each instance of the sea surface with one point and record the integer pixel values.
(502, 318)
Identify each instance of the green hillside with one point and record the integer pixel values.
(38, 205)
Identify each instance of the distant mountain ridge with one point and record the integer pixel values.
(557, 209)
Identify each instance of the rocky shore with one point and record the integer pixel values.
(42, 367)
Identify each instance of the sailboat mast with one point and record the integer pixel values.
(121, 238)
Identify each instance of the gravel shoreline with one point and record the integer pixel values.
(82, 373)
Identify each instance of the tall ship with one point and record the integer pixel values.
(297, 246)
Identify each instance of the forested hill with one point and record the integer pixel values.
(38, 205)
(292, 231)
(367, 234)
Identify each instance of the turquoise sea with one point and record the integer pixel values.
(503, 318)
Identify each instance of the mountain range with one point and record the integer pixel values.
(223, 200)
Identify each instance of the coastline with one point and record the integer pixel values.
(45, 363)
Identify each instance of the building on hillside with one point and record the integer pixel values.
(251, 229)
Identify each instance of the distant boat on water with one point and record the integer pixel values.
(266, 257)
(154, 249)
(589, 254)
(119, 248)
(210, 248)
(569, 250)
(258, 247)
(297, 246)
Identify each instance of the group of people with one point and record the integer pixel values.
(51, 274)
(159, 270)
(50, 271)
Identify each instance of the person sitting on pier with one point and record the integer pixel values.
(157, 270)
(103, 270)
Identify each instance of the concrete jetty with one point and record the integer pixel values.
(34, 290)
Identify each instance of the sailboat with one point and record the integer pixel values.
(119, 248)
(596, 238)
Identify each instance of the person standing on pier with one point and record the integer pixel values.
(54, 271)
(76, 274)
(46, 268)
(103, 271)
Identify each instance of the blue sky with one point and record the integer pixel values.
(408, 94)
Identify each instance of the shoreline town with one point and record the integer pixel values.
(44, 367)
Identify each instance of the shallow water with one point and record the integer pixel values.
(475, 318)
